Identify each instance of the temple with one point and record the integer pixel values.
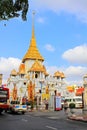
(32, 79)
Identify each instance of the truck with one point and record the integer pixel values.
(4, 98)
(77, 100)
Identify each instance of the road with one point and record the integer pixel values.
(39, 121)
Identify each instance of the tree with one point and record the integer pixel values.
(13, 8)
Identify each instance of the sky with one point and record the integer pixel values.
(61, 37)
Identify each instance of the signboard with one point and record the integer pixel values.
(57, 103)
(45, 96)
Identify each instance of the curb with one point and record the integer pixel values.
(78, 118)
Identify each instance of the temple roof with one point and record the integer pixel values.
(62, 75)
(45, 72)
(57, 74)
(13, 72)
(32, 52)
(22, 69)
(37, 67)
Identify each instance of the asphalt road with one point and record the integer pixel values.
(39, 121)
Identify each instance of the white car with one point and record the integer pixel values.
(15, 106)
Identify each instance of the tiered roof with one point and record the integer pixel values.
(33, 52)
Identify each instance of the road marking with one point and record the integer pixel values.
(53, 117)
(24, 120)
(53, 128)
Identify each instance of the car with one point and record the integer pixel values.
(16, 107)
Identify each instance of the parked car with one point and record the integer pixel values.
(16, 107)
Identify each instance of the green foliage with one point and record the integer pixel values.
(72, 105)
(13, 8)
(32, 104)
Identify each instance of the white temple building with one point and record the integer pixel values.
(32, 79)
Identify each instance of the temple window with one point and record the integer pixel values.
(24, 83)
(36, 75)
(22, 75)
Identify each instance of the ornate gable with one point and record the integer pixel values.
(37, 66)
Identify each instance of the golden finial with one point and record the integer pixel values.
(33, 24)
(33, 12)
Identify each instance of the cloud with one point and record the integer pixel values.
(75, 72)
(74, 75)
(75, 7)
(51, 69)
(8, 64)
(40, 20)
(49, 47)
(76, 55)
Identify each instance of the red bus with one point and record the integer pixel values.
(4, 97)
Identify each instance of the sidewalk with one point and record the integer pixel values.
(78, 116)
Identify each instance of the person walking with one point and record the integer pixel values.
(65, 106)
(46, 104)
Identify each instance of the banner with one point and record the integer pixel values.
(57, 103)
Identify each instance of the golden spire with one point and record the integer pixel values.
(33, 52)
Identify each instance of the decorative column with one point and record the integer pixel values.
(31, 91)
(52, 95)
(85, 94)
(15, 93)
(41, 85)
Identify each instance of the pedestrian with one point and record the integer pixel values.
(65, 106)
(46, 104)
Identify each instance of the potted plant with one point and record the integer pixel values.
(72, 106)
